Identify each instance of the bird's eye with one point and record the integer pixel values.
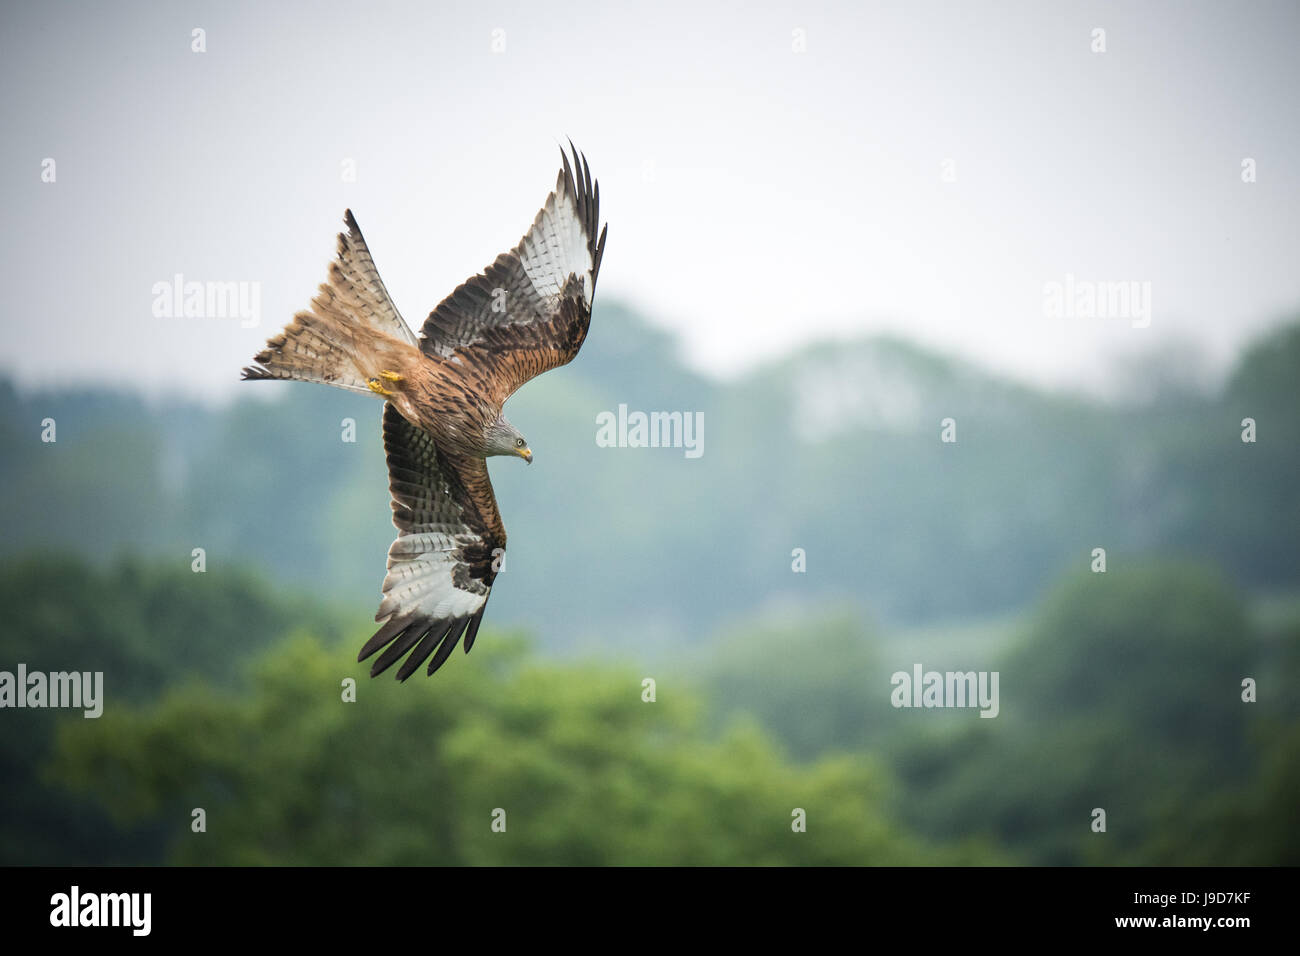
(519, 443)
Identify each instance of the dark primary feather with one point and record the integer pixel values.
(432, 637)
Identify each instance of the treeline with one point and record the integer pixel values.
(835, 451)
(217, 745)
(1151, 692)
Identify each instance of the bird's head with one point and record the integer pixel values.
(504, 439)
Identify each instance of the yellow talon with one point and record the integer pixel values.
(377, 387)
(391, 376)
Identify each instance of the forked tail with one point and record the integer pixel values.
(349, 334)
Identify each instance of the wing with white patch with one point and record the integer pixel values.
(536, 298)
(442, 565)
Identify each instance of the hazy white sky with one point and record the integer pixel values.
(758, 197)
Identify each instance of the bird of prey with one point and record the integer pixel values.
(525, 313)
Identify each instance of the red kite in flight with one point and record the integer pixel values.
(526, 313)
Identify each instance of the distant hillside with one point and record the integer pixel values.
(836, 451)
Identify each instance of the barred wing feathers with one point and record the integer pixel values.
(441, 566)
(529, 311)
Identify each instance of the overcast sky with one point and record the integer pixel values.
(771, 173)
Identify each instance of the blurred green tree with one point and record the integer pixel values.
(585, 771)
(1124, 694)
(143, 626)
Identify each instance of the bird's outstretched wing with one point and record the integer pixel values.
(530, 309)
(449, 543)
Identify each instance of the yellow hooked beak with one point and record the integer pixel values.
(526, 454)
